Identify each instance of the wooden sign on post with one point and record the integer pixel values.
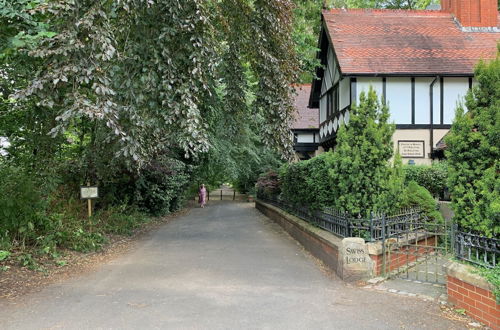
(89, 193)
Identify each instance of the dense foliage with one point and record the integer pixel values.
(268, 185)
(433, 178)
(144, 98)
(474, 154)
(357, 177)
(307, 182)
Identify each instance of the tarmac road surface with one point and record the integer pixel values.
(222, 267)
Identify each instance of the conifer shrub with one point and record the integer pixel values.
(474, 155)
(418, 196)
(358, 177)
(361, 171)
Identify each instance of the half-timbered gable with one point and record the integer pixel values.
(420, 62)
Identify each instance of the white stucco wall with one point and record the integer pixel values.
(453, 93)
(398, 98)
(363, 85)
(422, 103)
(322, 109)
(345, 93)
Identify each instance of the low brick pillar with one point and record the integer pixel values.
(469, 291)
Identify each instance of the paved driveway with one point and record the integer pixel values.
(222, 267)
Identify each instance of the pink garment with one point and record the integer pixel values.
(202, 196)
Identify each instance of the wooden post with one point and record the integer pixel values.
(234, 194)
(89, 203)
(221, 194)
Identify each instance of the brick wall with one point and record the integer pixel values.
(477, 13)
(325, 250)
(479, 303)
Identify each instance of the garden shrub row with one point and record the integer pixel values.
(360, 176)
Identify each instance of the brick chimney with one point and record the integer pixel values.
(473, 13)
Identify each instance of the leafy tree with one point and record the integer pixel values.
(474, 154)
(141, 72)
(306, 28)
(140, 97)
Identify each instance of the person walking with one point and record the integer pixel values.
(202, 196)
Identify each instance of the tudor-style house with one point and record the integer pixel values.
(420, 62)
(305, 128)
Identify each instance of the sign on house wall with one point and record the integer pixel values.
(411, 149)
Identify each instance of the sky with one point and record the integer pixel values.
(4, 144)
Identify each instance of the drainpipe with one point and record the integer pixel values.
(431, 96)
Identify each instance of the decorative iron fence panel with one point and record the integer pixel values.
(374, 228)
(413, 246)
(477, 249)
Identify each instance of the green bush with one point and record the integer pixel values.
(306, 183)
(418, 196)
(22, 206)
(357, 177)
(268, 185)
(433, 178)
(161, 186)
(492, 275)
(361, 172)
(120, 220)
(474, 155)
(85, 241)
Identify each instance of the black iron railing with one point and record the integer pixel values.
(376, 227)
(477, 249)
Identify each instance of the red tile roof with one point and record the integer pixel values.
(304, 117)
(405, 41)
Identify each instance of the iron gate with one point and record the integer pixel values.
(416, 248)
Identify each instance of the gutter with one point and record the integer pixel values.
(431, 99)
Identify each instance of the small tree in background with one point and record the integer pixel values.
(361, 172)
(474, 154)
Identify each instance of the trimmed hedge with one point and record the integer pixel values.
(433, 178)
(307, 182)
